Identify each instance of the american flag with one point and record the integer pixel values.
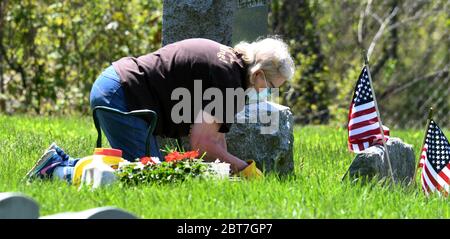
(363, 125)
(435, 161)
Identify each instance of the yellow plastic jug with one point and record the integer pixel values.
(110, 157)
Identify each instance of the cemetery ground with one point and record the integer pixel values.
(314, 190)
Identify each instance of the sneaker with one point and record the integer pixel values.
(43, 167)
(59, 151)
(52, 146)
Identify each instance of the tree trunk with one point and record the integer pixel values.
(390, 48)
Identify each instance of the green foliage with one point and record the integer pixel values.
(165, 172)
(53, 51)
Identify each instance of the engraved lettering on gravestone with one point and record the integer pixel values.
(252, 3)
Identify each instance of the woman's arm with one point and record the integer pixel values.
(206, 138)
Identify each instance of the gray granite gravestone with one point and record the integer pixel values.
(17, 206)
(269, 144)
(372, 162)
(95, 213)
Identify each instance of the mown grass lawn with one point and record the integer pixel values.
(314, 191)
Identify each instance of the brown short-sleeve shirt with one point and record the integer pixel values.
(148, 81)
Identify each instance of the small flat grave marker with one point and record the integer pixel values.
(95, 213)
(18, 206)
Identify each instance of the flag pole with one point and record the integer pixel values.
(430, 116)
(366, 62)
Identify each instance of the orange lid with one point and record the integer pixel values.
(108, 152)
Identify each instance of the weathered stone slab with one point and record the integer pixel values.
(95, 213)
(267, 138)
(17, 206)
(373, 162)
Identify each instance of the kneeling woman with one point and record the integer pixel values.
(148, 82)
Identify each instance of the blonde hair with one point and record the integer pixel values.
(270, 55)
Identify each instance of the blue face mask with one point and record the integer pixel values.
(254, 96)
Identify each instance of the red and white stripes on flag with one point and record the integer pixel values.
(423, 156)
(433, 181)
(435, 161)
(363, 125)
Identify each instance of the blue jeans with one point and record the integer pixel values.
(127, 133)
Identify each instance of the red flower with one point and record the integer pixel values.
(191, 154)
(177, 156)
(147, 160)
(174, 156)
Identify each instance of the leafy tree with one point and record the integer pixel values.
(52, 51)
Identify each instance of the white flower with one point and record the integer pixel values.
(139, 165)
(123, 164)
(155, 159)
